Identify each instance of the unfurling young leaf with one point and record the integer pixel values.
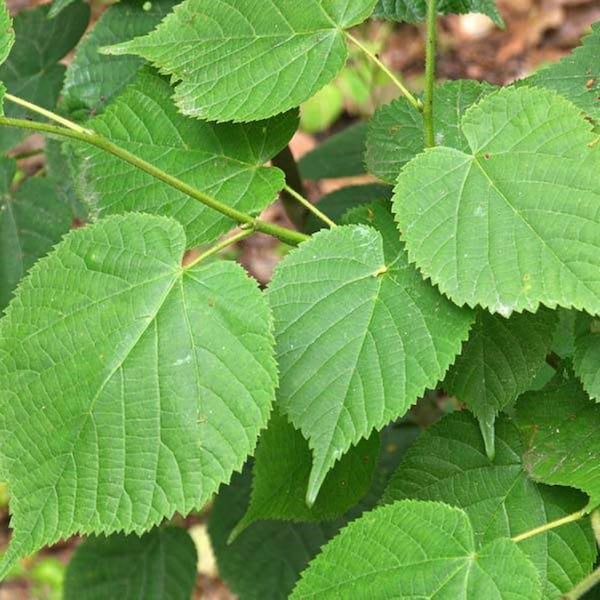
(130, 387)
(499, 362)
(32, 219)
(448, 463)
(225, 161)
(160, 565)
(281, 471)
(529, 187)
(245, 60)
(561, 429)
(413, 549)
(360, 335)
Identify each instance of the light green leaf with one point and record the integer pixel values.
(130, 387)
(244, 60)
(32, 219)
(414, 11)
(340, 155)
(7, 34)
(561, 427)
(448, 463)
(282, 465)
(322, 110)
(265, 561)
(160, 565)
(336, 204)
(360, 336)
(92, 80)
(396, 133)
(577, 76)
(528, 187)
(499, 362)
(586, 360)
(415, 549)
(32, 70)
(225, 161)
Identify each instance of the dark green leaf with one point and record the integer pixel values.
(499, 362)
(586, 360)
(413, 549)
(280, 475)
(448, 463)
(32, 219)
(239, 60)
(160, 565)
(360, 335)
(92, 79)
(561, 427)
(130, 387)
(340, 155)
(225, 161)
(396, 130)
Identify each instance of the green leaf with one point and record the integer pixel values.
(396, 133)
(322, 110)
(236, 60)
(92, 80)
(160, 565)
(225, 161)
(336, 204)
(499, 362)
(32, 219)
(265, 561)
(586, 360)
(130, 387)
(33, 71)
(280, 477)
(57, 7)
(448, 463)
(577, 76)
(415, 11)
(415, 549)
(360, 336)
(561, 427)
(528, 187)
(340, 155)
(7, 34)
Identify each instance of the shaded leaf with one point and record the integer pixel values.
(561, 428)
(32, 219)
(499, 362)
(396, 133)
(586, 360)
(92, 79)
(130, 387)
(528, 187)
(160, 565)
(32, 70)
(282, 465)
(360, 336)
(340, 155)
(448, 463)
(7, 34)
(244, 60)
(414, 11)
(336, 204)
(577, 76)
(413, 549)
(224, 161)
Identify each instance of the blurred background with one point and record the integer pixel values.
(471, 46)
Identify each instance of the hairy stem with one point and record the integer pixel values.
(416, 103)
(284, 234)
(310, 206)
(590, 582)
(549, 526)
(287, 163)
(430, 73)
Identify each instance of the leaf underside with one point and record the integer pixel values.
(360, 336)
(528, 187)
(130, 387)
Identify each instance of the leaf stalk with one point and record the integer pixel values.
(551, 525)
(430, 66)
